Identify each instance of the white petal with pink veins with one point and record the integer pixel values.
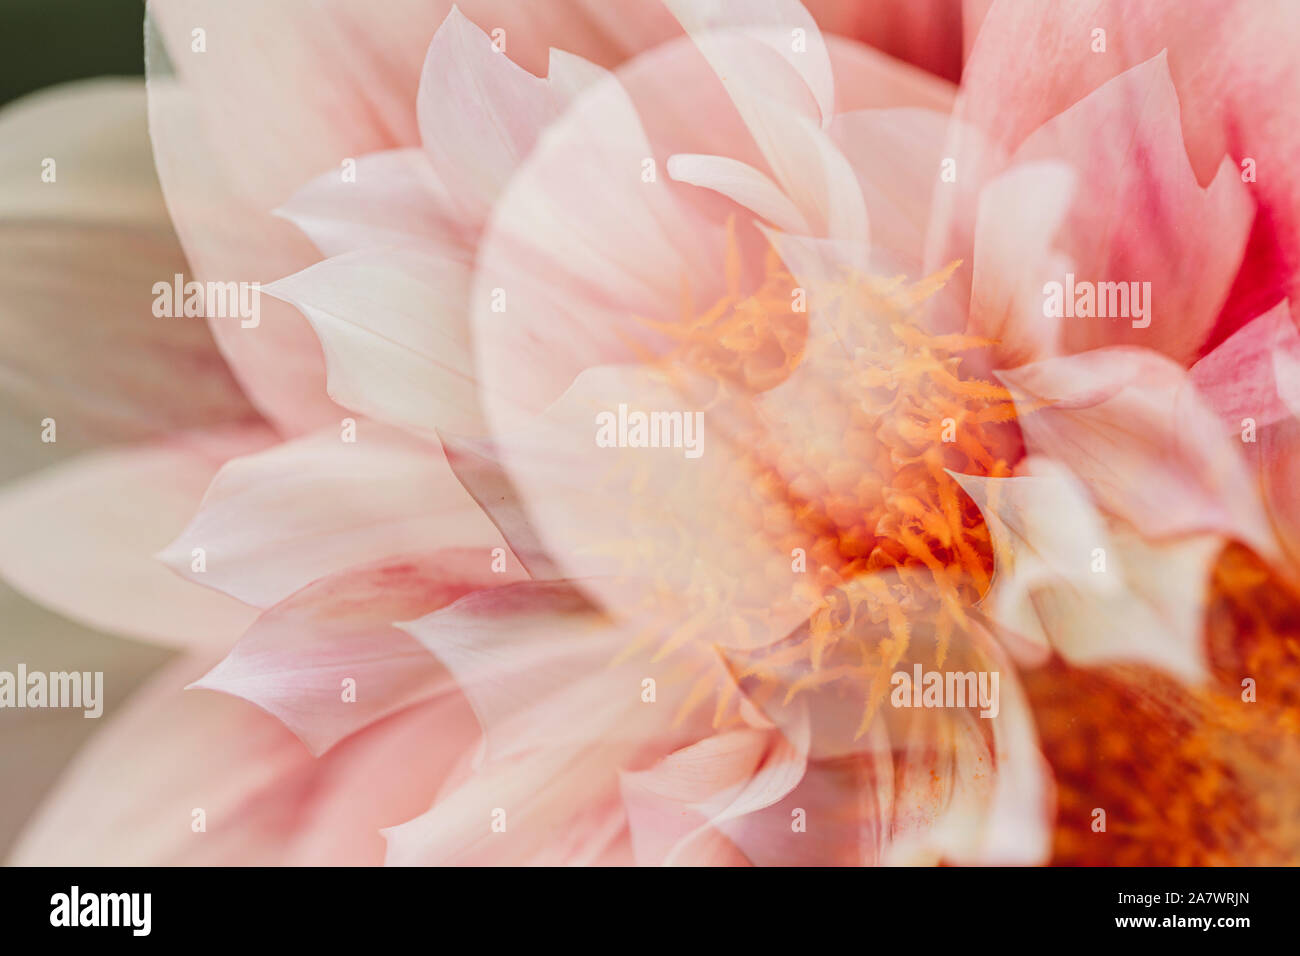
(294, 661)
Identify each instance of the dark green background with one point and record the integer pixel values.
(49, 41)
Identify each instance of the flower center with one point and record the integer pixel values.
(853, 482)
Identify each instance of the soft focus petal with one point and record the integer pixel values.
(773, 25)
(895, 154)
(927, 33)
(741, 183)
(1253, 374)
(132, 796)
(522, 812)
(672, 534)
(476, 462)
(1252, 381)
(81, 537)
(78, 259)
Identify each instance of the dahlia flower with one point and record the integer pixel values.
(704, 432)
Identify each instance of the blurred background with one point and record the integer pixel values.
(44, 43)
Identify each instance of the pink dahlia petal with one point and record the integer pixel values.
(783, 28)
(1253, 373)
(580, 251)
(628, 524)
(895, 154)
(927, 33)
(523, 812)
(543, 668)
(692, 793)
(1140, 216)
(839, 814)
(1230, 62)
(742, 184)
(480, 114)
(1252, 380)
(944, 775)
(207, 94)
(476, 462)
(273, 522)
(296, 660)
(1015, 826)
(775, 66)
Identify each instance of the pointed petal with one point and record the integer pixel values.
(294, 661)
(1129, 424)
(273, 522)
(393, 326)
(81, 537)
(1141, 216)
